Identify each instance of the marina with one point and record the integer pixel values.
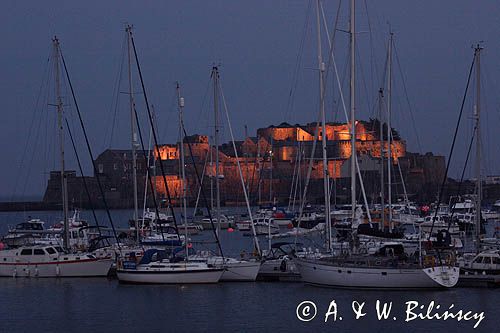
(370, 203)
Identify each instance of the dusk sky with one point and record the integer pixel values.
(257, 44)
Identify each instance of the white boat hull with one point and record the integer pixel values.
(241, 271)
(175, 277)
(76, 268)
(316, 272)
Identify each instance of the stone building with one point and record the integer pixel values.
(269, 162)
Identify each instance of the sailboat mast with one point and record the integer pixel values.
(133, 132)
(271, 172)
(324, 138)
(389, 130)
(479, 186)
(60, 112)
(180, 102)
(215, 77)
(352, 33)
(382, 185)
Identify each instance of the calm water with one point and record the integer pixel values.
(99, 304)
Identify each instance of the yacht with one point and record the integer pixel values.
(24, 233)
(160, 267)
(51, 261)
(388, 268)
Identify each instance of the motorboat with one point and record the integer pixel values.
(51, 261)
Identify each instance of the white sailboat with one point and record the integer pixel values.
(162, 266)
(390, 268)
(49, 261)
(235, 269)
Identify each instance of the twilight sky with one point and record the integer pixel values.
(257, 44)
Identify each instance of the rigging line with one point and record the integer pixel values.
(205, 200)
(171, 110)
(331, 42)
(298, 61)
(39, 130)
(373, 65)
(146, 160)
(363, 78)
(151, 122)
(89, 197)
(410, 108)
(28, 139)
(203, 171)
(89, 149)
(202, 107)
(459, 188)
(116, 93)
(256, 240)
(445, 177)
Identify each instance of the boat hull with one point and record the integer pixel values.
(169, 277)
(241, 271)
(329, 274)
(76, 268)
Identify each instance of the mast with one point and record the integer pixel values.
(180, 101)
(211, 176)
(389, 130)
(259, 199)
(271, 172)
(352, 33)
(479, 187)
(60, 112)
(133, 126)
(215, 77)
(324, 138)
(155, 194)
(382, 185)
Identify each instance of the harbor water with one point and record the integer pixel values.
(104, 305)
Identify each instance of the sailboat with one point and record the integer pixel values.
(234, 269)
(162, 266)
(389, 267)
(481, 268)
(54, 261)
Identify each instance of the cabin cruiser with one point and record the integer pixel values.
(309, 219)
(438, 222)
(225, 222)
(24, 233)
(493, 213)
(264, 226)
(162, 239)
(150, 218)
(51, 261)
(481, 269)
(161, 267)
